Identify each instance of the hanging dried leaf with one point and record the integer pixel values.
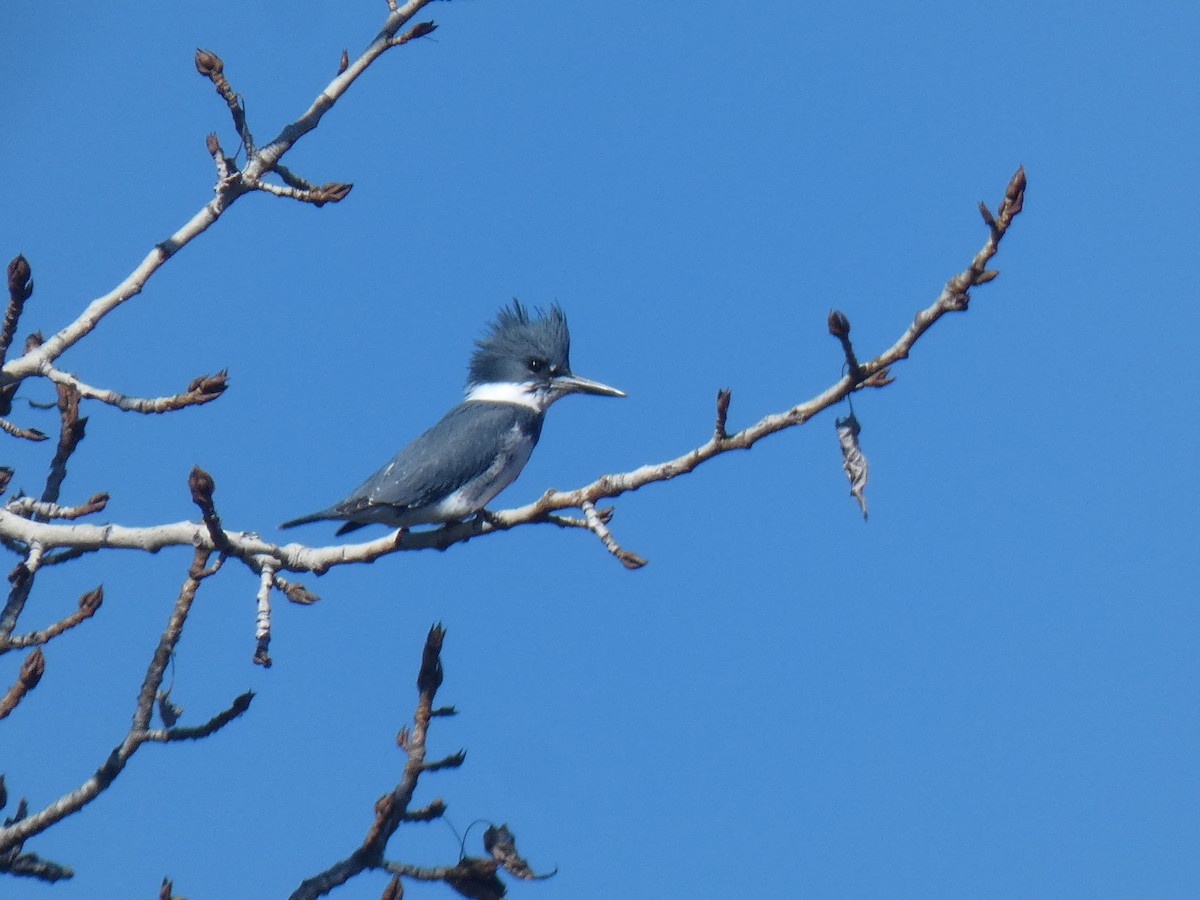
(167, 711)
(854, 464)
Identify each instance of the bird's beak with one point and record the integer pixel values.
(576, 384)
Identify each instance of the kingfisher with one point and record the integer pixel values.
(453, 470)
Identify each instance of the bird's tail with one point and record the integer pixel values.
(304, 520)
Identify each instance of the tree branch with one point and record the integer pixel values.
(15, 833)
(256, 552)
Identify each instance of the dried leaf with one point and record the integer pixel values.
(854, 464)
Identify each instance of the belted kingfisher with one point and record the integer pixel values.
(456, 467)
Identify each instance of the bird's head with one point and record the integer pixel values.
(526, 359)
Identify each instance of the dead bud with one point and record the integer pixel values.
(209, 384)
(988, 218)
(91, 601)
(839, 325)
(1016, 187)
(208, 64)
(20, 279)
(34, 341)
(212, 144)
(32, 669)
(202, 486)
(344, 63)
(724, 395)
(298, 593)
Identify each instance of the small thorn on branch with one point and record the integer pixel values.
(723, 397)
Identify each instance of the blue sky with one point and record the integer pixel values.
(990, 690)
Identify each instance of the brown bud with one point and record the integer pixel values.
(344, 63)
(241, 703)
(6, 475)
(202, 486)
(839, 325)
(20, 279)
(32, 669)
(209, 384)
(34, 341)
(988, 218)
(986, 275)
(3, 793)
(208, 63)
(90, 602)
(1016, 187)
(212, 144)
(394, 890)
(298, 593)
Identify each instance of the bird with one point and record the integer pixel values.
(452, 471)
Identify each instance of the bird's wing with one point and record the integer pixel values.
(441, 460)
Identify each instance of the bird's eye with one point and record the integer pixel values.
(536, 366)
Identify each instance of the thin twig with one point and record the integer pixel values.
(88, 605)
(393, 808)
(203, 389)
(15, 834)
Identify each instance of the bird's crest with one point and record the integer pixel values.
(514, 338)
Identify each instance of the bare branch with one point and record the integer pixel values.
(29, 434)
(211, 67)
(240, 704)
(231, 185)
(330, 192)
(203, 389)
(29, 507)
(89, 603)
(393, 808)
(14, 834)
(628, 558)
(262, 626)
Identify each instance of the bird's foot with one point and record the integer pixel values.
(488, 516)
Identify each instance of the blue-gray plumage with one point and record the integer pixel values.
(456, 467)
